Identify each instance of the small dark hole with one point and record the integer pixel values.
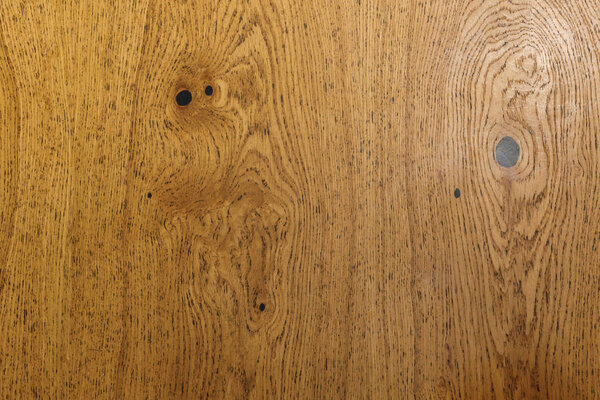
(184, 98)
(507, 152)
(457, 193)
(208, 90)
(149, 195)
(261, 307)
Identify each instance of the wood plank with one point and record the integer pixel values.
(326, 218)
(506, 276)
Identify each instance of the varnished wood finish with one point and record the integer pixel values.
(331, 222)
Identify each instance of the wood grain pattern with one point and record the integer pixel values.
(329, 222)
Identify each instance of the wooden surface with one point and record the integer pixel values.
(298, 233)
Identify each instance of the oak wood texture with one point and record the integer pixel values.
(329, 223)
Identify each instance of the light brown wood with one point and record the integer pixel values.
(298, 233)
